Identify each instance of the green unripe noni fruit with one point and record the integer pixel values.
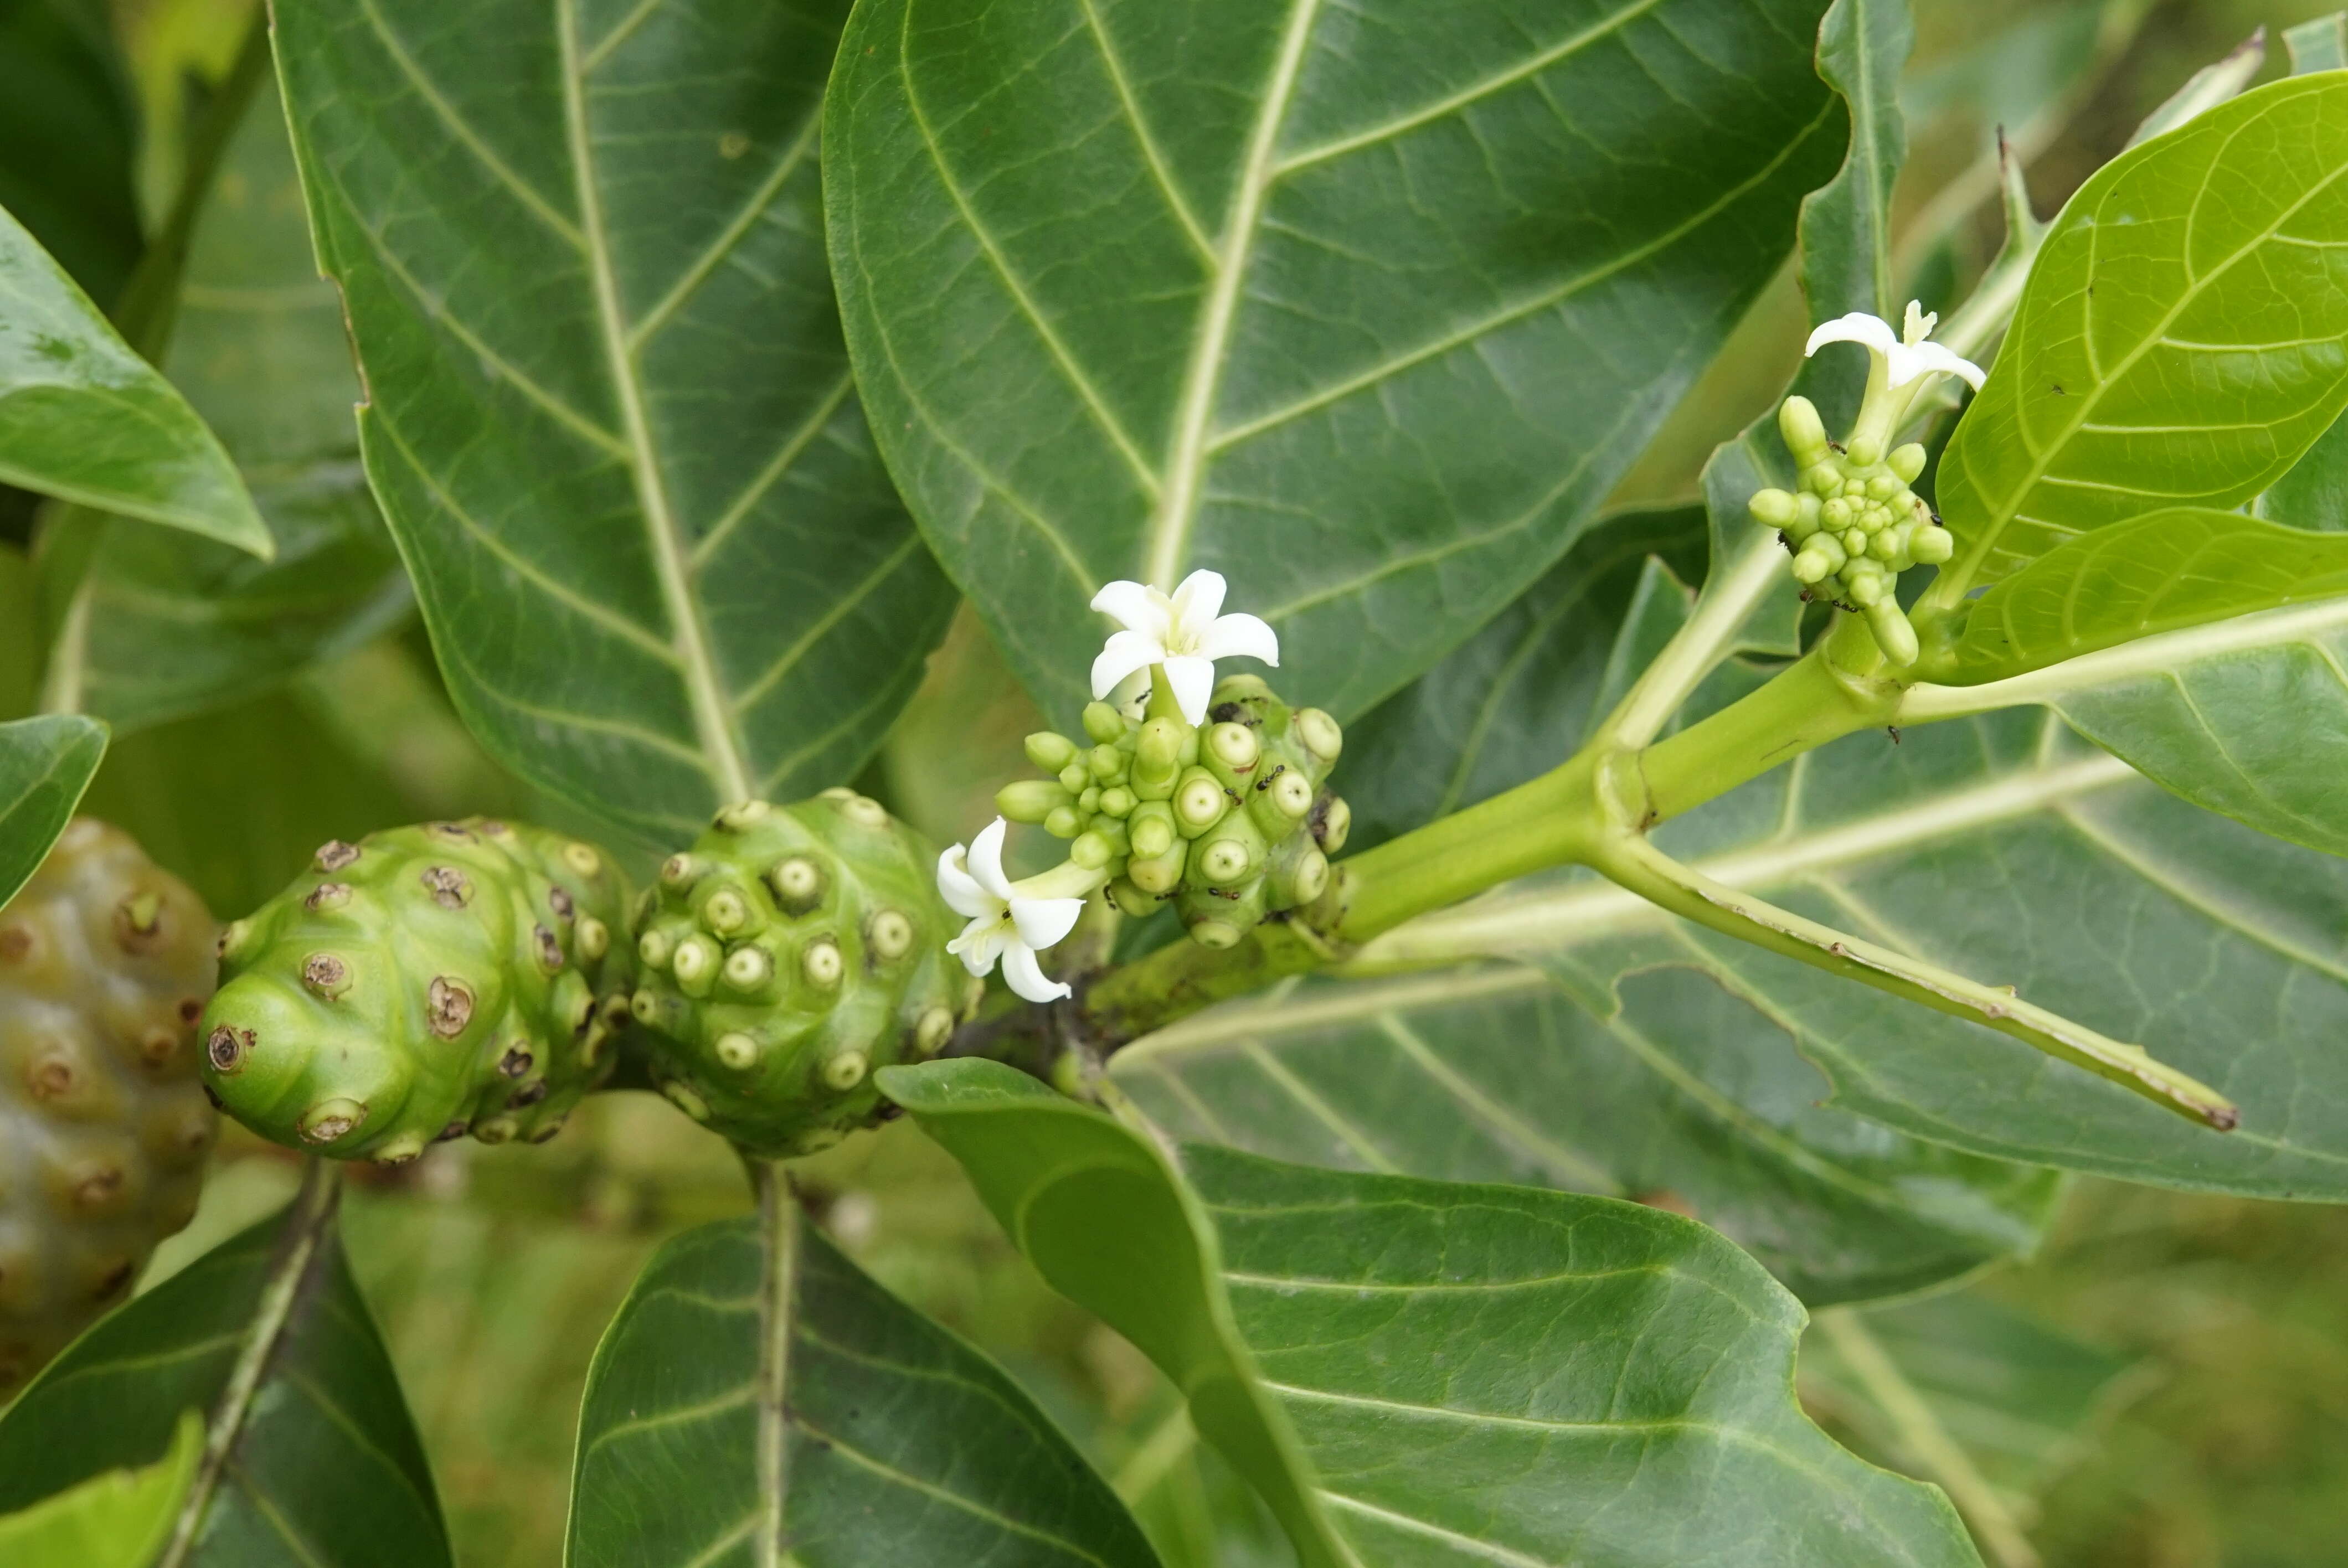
(771, 1035)
(423, 983)
(1272, 855)
(105, 963)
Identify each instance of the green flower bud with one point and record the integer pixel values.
(1774, 509)
(1130, 900)
(1819, 560)
(1159, 874)
(1108, 764)
(1088, 802)
(1908, 462)
(1157, 750)
(1064, 823)
(1076, 778)
(1884, 487)
(1893, 634)
(1805, 432)
(1118, 801)
(1864, 452)
(1091, 851)
(1032, 800)
(1050, 752)
(1823, 480)
(1103, 722)
(1931, 544)
(1836, 514)
(1151, 828)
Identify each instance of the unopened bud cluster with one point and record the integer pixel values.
(1854, 525)
(1229, 820)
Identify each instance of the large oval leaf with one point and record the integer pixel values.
(905, 1446)
(2183, 567)
(83, 417)
(1683, 1096)
(610, 417)
(2003, 848)
(1472, 1373)
(166, 623)
(46, 763)
(1365, 306)
(2183, 338)
(121, 1519)
(310, 1457)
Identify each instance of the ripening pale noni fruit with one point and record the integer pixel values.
(421, 984)
(788, 953)
(105, 963)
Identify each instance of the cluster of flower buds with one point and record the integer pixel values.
(1208, 794)
(1231, 821)
(1854, 525)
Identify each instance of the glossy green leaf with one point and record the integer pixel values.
(1989, 1403)
(1455, 1373)
(2005, 849)
(121, 1519)
(2180, 340)
(310, 1456)
(1365, 307)
(610, 421)
(67, 131)
(84, 417)
(46, 763)
(905, 1445)
(2169, 569)
(169, 624)
(2320, 44)
(1499, 1074)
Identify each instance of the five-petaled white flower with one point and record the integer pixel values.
(1184, 634)
(1003, 922)
(1902, 356)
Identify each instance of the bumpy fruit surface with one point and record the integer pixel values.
(423, 983)
(789, 952)
(105, 963)
(1231, 823)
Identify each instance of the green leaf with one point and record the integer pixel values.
(2185, 566)
(1521, 694)
(2003, 848)
(84, 417)
(2180, 341)
(46, 763)
(905, 1445)
(1451, 1373)
(2319, 44)
(1682, 1098)
(610, 420)
(120, 1518)
(309, 1458)
(168, 624)
(1989, 1403)
(68, 131)
(1366, 308)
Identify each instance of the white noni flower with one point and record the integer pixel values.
(1902, 356)
(1184, 633)
(1003, 924)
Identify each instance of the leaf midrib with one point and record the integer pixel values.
(720, 745)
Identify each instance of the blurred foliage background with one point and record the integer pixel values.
(2166, 1385)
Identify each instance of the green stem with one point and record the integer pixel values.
(778, 1227)
(306, 1223)
(1635, 864)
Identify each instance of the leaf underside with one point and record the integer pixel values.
(1470, 1373)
